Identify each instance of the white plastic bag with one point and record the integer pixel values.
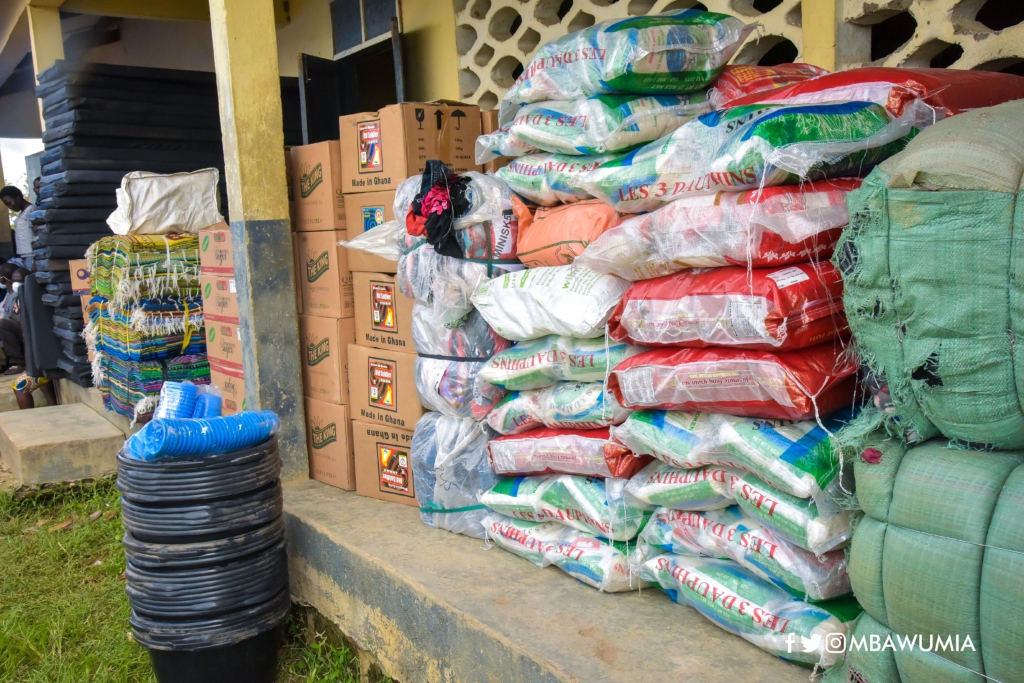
(562, 300)
(159, 204)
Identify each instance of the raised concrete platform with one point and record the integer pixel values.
(58, 443)
(434, 607)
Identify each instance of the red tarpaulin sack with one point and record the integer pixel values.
(949, 91)
(587, 452)
(769, 309)
(741, 80)
(783, 386)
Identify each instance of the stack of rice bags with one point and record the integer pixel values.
(470, 237)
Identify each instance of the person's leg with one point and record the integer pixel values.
(23, 388)
(49, 393)
(13, 342)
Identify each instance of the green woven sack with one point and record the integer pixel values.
(928, 267)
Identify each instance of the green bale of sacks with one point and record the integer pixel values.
(939, 555)
(929, 264)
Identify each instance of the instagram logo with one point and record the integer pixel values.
(835, 643)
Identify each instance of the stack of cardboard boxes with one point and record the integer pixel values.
(341, 189)
(220, 313)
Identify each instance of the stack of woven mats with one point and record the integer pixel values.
(145, 319)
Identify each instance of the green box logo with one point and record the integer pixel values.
(311, 180)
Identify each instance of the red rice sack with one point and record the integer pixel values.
(794, 385)
(770, 309)
(775, 226)
(948, 91)
(587, 452)
(741, 80)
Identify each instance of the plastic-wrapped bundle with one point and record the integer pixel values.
(550, 179)
(751, 147)
(556, 236)
(449, 463)
(471, 337)
(708, 488)
(673, 52)
(798, 458)
(794, 385)
(797, 520)
(753, 608)
(775, 226)
(765, 308)
(587, 504)
(948, 91)
(586, 452)
(566, 405)
(565, 300)
(179, 437)
(728, 533)
(177, 400)
(453, 387)
(444, 282)
(742, 80)
(595, 561)
(542, 362)
(208, 402)
(596, 125)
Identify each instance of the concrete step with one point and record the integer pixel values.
(435, 607)
(9, 402)
(58, 444)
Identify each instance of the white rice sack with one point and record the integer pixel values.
(659, 484)
(596, 125)
(550, 179)
(673, 52)
(798, 458)
(542, 362)
(565, 405)
(517, 497)
(595, 561)
(756, 610)
(451, 468)
(562, 300)
(729, 533)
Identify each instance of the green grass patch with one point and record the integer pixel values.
(63, 608)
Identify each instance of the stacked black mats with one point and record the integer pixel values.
(103, 121)
(207, 567)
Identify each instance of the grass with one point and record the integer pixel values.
(63, 609)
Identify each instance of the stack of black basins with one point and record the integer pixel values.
(207, 569)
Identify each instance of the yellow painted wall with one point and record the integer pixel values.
(308, 32)
(431, 62)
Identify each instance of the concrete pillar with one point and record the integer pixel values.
(245, 55)
(820, 24)
(47, 39)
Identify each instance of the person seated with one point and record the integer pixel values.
(11, 334)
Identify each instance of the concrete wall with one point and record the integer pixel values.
(308, 32)
(162, 44)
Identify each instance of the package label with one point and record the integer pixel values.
(381, 377)
(317, 265)
(310, 180)
(372, 217)
(323, 435)
(371, 155)
(317, 351)
(393, 467)
(382, 299)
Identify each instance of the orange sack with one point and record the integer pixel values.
(556, 235)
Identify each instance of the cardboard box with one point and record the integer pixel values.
(324, 277)
(383, 463)
(316, 187)
(215, 254)
(381, 149)
(228, 377)
(220, 298)
(224, 342)
(325, 343)
(329, 441)
(81, 281)
(364, 211)
(298, 277)
(382, 387)
(288, 171)
(383, 314)
(489, 124)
